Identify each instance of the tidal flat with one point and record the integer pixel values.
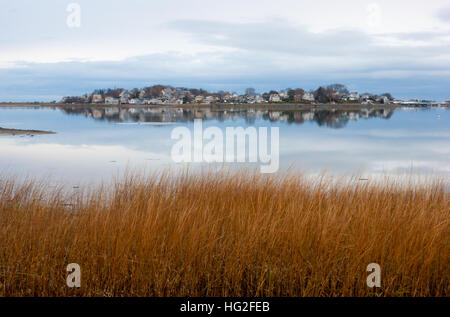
(23, 132)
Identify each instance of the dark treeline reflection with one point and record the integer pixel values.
(329, 118)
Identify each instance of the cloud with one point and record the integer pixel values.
(275, 36)
(284, 38)
(231, 70)
(229, 51)
(349, 50)
(444, 14)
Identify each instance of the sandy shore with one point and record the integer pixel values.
(23, 132)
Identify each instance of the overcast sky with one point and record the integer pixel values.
(397, 46)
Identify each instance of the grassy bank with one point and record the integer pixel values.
(225, 235)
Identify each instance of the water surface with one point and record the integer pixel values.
(92, 144)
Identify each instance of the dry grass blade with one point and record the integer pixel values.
(225, 234)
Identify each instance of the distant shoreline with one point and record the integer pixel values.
(265, 106)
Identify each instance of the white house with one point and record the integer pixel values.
(124, 96)
(383, 99)
(259, 99)
(199, 99)
(366, 97)
(97, 98)
(275, 98)
(155, 101)
(209, 99)
(135, 101)
(308, 96)
(354, 96)
(283, 95)
(112, 101)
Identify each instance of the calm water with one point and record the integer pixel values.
(93, 144)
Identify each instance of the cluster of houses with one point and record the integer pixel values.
(178, 96)
(167, 95)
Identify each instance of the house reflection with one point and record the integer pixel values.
(330, 118)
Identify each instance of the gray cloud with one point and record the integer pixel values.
(344, 53)
(444, 14)
(222, 70)
(276, 36)
(284, 38)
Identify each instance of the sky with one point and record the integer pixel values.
(54, 48)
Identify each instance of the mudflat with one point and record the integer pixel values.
(23, 132)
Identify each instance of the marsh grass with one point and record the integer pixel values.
(225, 234)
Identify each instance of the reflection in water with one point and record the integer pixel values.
(334, 119)
(87, 147)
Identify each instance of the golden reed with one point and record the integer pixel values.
(219, 234)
